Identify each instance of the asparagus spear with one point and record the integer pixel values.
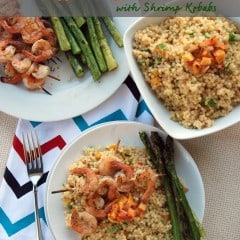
(61, 35)
(159, 146)
(74, 44)
(79, 21)
(116, 35)
(86, 50)
(106, 50)
(194, 226)
(77, 68)
(95, 45)
(168, 153)
(155, 157)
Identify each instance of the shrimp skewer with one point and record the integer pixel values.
(29, 81)
(33, 78)
(36, 43)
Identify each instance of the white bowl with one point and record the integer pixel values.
(103, 135)
(161, 114)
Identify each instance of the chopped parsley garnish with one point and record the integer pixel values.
(162, 46)
(205, 34)
(226, 69)
(211, 103)
(113, 229)
(141, 62)
(69, 206)
(191, 35)
(208, 102)
(232, 37)
(157, 60)
(202, 103)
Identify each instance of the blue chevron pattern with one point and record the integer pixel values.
(142, 106)
(35, 124)
(82, 124)
(12, 228)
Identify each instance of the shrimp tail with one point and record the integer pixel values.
(13, 80)
(74, 221)
(38, 58)
(121, 166)
(10, 29)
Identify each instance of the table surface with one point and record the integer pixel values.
(217, 157)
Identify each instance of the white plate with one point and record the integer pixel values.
(71, 96)
(103, 135)
(161, 114)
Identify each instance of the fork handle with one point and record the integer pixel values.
(37, 218)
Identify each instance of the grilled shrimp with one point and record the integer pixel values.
(91, 179)
(6, 51)
(41, 51)
(32, 31)
(21, 63)
(31, 82)
(146, 181)
(83, 223)
(14, 24)
(50, 36)
(9, 69)
(95, 206)
(47, 33)
(107, 187)
(12, 76)
(123, 182)
(110, 166)
(41, 71)
(4, 35)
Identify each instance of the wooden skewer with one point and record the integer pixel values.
(56, 78)
(117, 146)
(54, 61)
(46, 91)
(60, 60)
(62, 190)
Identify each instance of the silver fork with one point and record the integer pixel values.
(34, 163)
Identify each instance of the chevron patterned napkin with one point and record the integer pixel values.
(16, 196)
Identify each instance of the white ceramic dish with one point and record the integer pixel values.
(103, 135)
(160, 113)
(70, 96)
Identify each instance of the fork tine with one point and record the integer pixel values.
(37, 150)
(26, 150)
(30, 152)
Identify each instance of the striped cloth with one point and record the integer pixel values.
(16, 197)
